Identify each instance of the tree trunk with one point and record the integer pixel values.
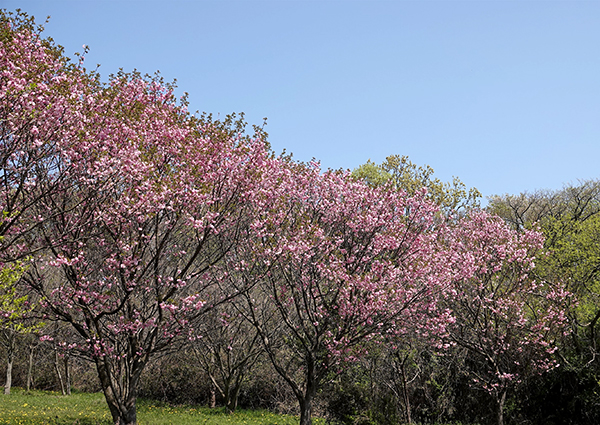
(227, 393)
(129, 415)
(311, 390)
(123, 413)
(9, 363)
(58, 374)
(213, 396)
(67, 376)
(30, 367)
(233, 398)
(122, 406)
(306, 410)
(500, 399)
(405, 390)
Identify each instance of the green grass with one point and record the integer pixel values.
(48, 408)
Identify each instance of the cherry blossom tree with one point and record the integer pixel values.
(343, 263)
(155, 200)
(504, 318)
(133, 219)
(118, 201)
(39, 88)
(132, 199)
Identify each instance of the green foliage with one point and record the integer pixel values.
(349, 399)
(14, 308)
(563, 396)
(402, 174)
(231, 126)
(575, 257)
(373, 174)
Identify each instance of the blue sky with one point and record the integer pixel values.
(504, 95)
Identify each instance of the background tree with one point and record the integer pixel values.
(569, 219)
(402, 174)
(15, 316)
(228, 347)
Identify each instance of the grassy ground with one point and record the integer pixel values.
(47, 408)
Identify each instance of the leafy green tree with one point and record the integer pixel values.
(14, 312)
(400, 172)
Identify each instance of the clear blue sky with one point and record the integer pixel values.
(504, 95)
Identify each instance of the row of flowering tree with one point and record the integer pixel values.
(135, 219)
